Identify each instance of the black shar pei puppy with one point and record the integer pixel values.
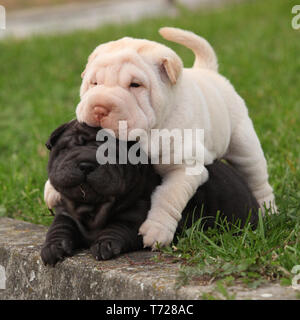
(103, 206)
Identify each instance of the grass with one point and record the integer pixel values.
(258, 51)
(252, 258)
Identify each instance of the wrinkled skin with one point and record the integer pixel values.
(145, 83)
(103, 206)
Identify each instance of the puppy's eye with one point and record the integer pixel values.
(94, 83)
(134, 85)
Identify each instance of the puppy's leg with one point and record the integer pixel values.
(51, 196)
(121, 235)
(246, 155)
(115, 239)
(62, 239)
(167, 204)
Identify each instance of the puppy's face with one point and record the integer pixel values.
(128, 79)
(75, 172)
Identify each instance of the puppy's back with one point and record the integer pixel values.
(225, 192)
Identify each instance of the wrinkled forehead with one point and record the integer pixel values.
(137, 46)
(124, 64)
(117, 59)
(141, 53)
(79, 130)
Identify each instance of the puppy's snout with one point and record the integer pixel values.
(87, 167)
(100, 112)
(105, 106)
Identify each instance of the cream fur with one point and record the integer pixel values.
(171, 97)
(51, 196)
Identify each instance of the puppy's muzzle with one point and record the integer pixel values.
(99, 102)
(86, 167)
(105, 106)
(99, 112)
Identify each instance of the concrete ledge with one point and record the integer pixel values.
(131, 276)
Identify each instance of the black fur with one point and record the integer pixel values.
(103, 206)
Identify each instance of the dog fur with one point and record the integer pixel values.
(102, 207)
(144, 82)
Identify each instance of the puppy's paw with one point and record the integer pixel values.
(154, 234)
(106, 249)
(51, 196)
(268, 203)
(53, 252)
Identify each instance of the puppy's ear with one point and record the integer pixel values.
(172, 67)
(57, 133)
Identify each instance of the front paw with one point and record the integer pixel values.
(106, 249)
(51, 196)
(53, 252)
(268, 203)
(154, 234)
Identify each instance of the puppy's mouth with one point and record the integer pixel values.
(83, 192)
(86, 193)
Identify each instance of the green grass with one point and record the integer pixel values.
(258, 51)
(252, 257)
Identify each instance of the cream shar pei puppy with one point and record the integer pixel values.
(145, 83)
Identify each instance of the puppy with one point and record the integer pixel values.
(102, 207)
(144, 83)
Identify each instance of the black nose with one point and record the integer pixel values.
(87, 167)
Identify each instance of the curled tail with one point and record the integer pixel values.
(205, 56)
